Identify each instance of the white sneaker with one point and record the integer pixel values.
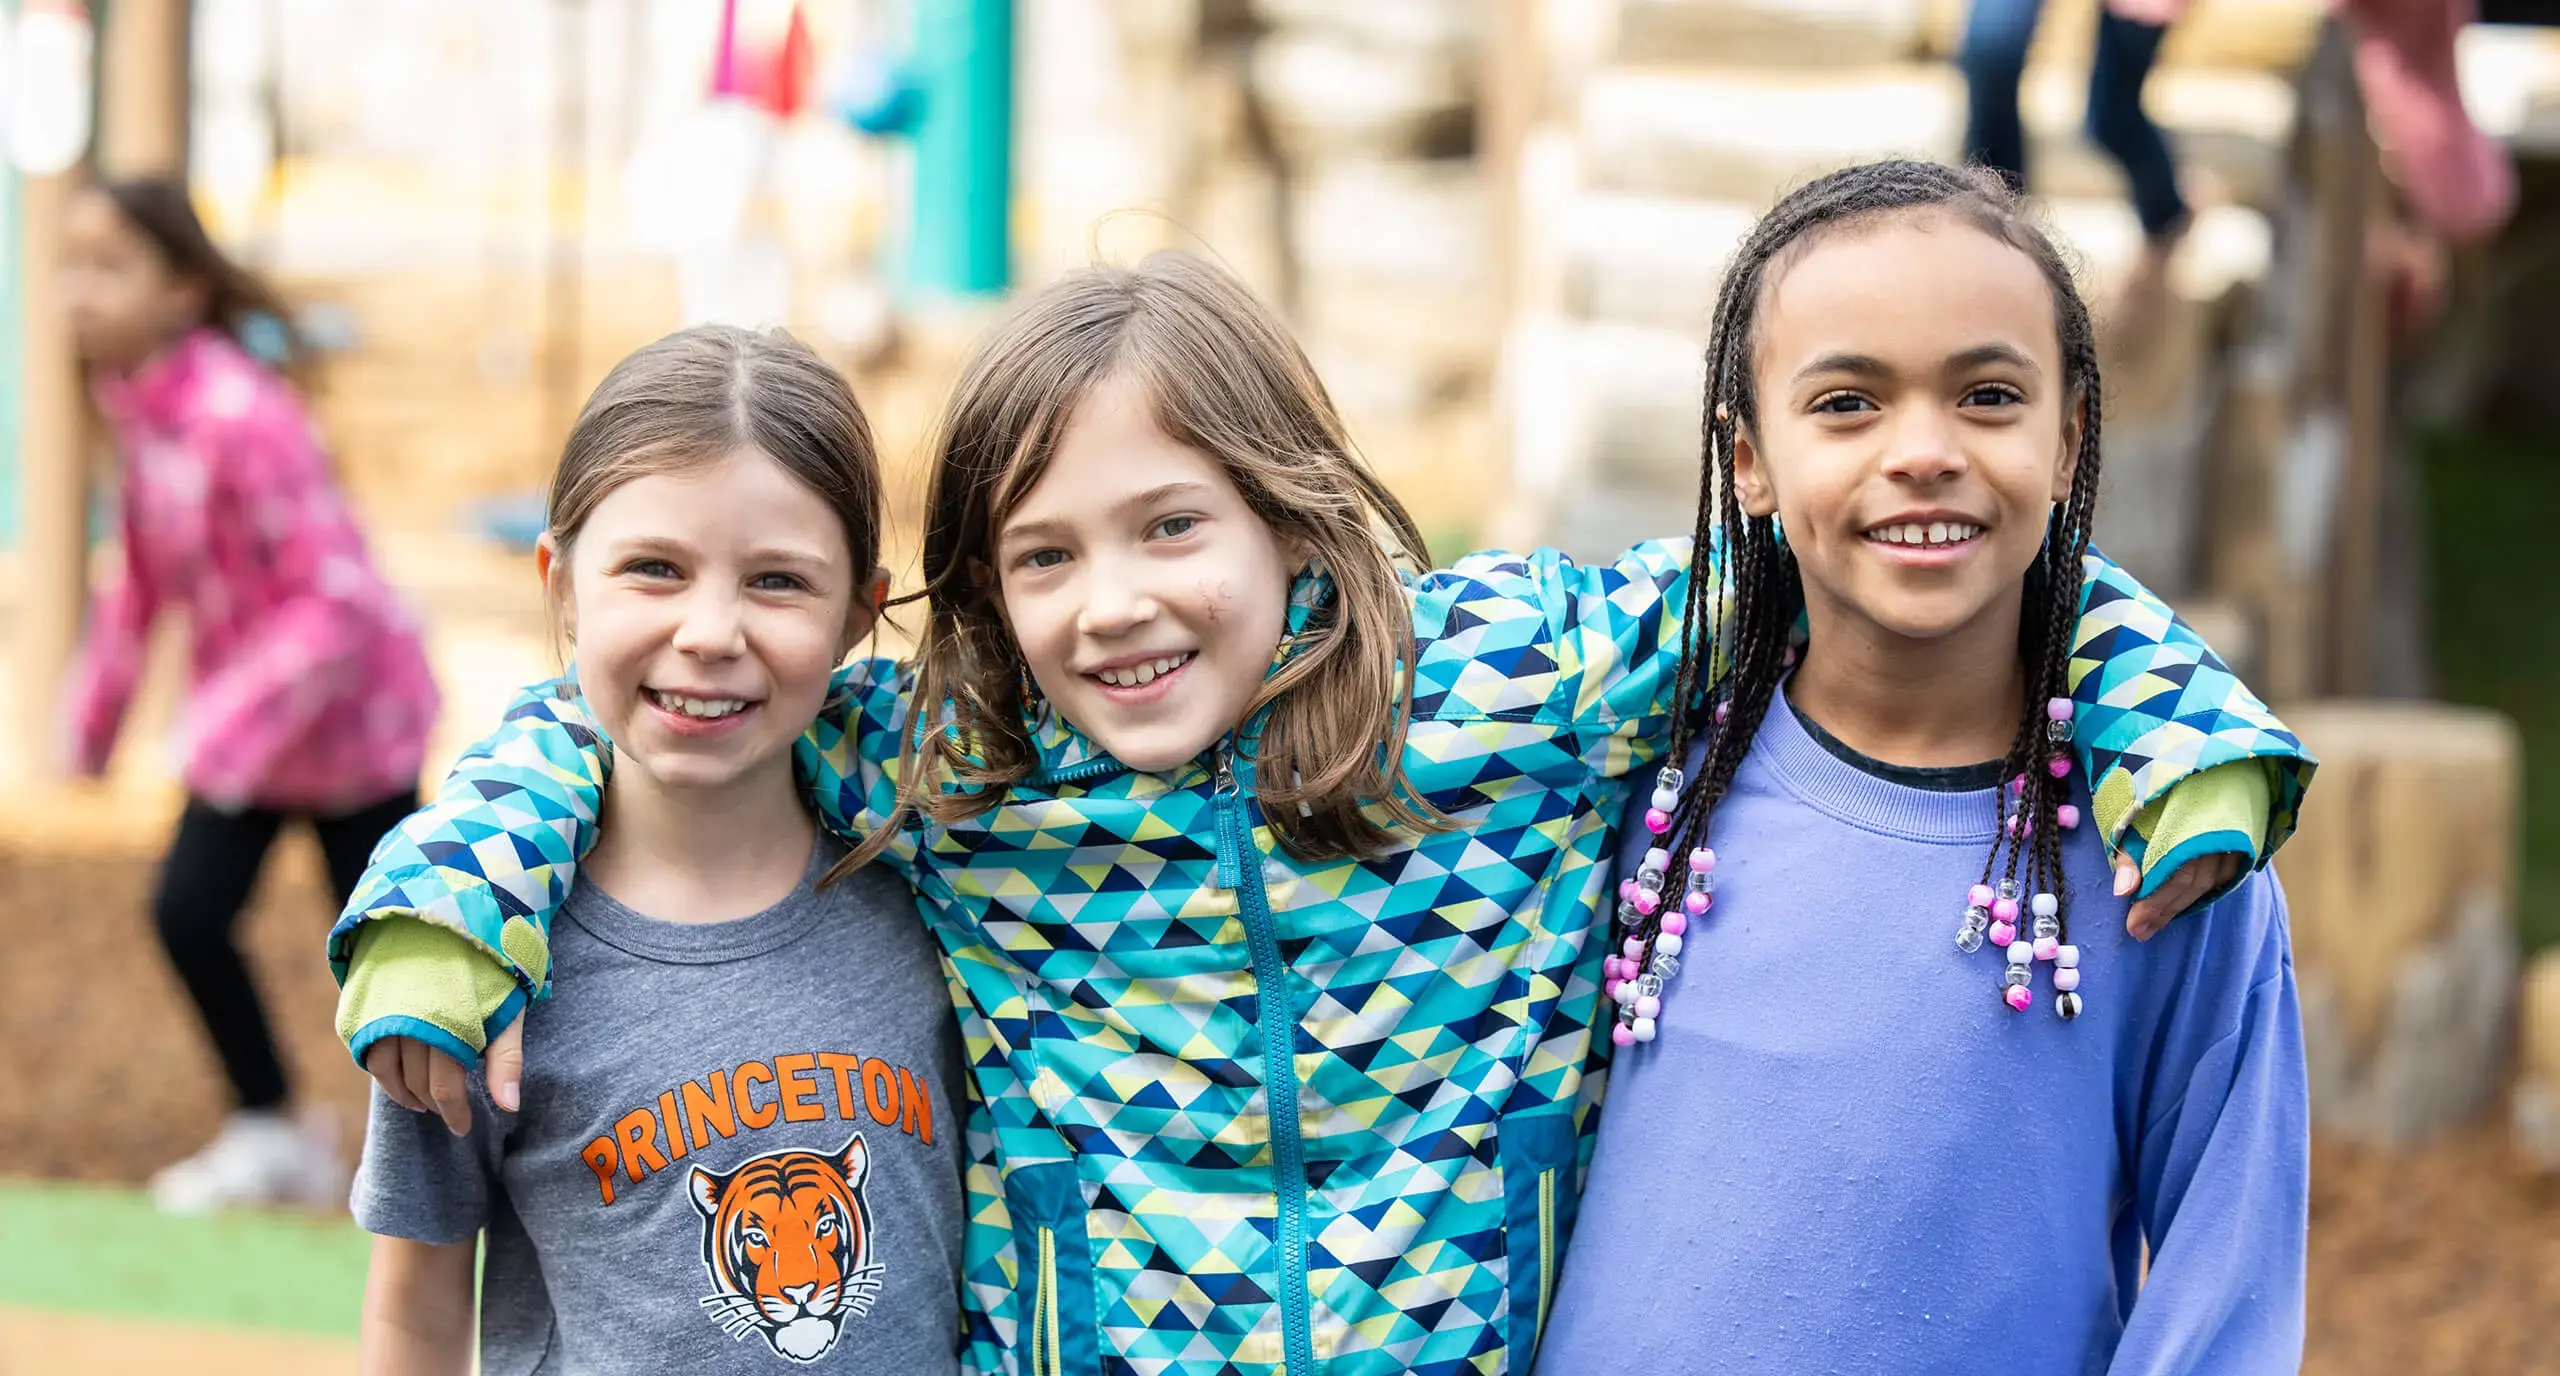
(259, 1158)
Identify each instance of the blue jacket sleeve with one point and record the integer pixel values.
(495, 853)
(2223, 1172)
(2155, 708)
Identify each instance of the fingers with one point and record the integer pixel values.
(449, 1085)
(505, 1065)
(2192, 881)
(2128, 877)
(382, 1062)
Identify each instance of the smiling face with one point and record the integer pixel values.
(708, 606)
(1914, 427)
(1145, 595)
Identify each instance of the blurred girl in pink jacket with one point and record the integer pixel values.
(308, 690)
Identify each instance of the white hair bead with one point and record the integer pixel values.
(2068, 957)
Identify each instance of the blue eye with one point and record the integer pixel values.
(650, 568)
(780, 582)
(1175, 527)
(1044, 559)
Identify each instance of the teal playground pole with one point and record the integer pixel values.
(954, 97)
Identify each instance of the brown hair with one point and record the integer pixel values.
(237, 301)
(703, 393)
(1224, 378)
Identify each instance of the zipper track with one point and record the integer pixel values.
(1546, 1256)
(1237, 857)
(1045, 1317)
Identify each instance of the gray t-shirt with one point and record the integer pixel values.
(739, 1149)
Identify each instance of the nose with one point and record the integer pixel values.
(712, 625)
(1922, 447)
(1116, 599)
(800, 1294)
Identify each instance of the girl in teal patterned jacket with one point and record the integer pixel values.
(1269, 871)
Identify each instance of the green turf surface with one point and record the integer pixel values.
(106, 1251)
(2490, 504)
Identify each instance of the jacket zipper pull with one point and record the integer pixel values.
(1230, 823)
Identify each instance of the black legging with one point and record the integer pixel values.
(205, 883)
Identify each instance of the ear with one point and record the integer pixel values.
(868, 603)
(2074, 425)
(1751, 477)
(856, 1160)
(553, 569)
(704, 1188)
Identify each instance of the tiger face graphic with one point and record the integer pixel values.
(787, 1240)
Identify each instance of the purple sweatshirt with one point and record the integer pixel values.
(1844, 1152)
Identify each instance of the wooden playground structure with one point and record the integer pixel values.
(2435, 1040)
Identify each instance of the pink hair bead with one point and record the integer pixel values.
(2019, 998)
(2005, 910)
(1724, 711)
(2058, 709)
(1979, 896)
(1609, 990)
(1613, 970)
(1635, 949)
(1622, 1035)
(2058, 767)
(1656, 820)
(2066, 979)
(2067, 815)
(1648, 1006)
(1696, 903)
(1703, 860)
(1675, 924)
(2046, 946)
(2002, 933)
(1646, 901)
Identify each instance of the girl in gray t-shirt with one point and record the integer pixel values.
(739, 1143)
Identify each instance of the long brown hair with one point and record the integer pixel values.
(1225, 379)
(701, 394)
(237, 301)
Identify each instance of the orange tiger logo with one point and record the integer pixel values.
(787, 1240)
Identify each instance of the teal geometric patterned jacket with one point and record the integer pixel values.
(1240, 1112)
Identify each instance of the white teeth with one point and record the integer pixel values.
(1136, 674)
(706, 708)
(1936, 533)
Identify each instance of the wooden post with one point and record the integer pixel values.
(2537, 1101)
(52, 471)
(2402, 888)
(142, 127)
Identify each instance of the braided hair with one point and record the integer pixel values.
(1737, 636)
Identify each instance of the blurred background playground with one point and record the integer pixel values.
(1498, 226)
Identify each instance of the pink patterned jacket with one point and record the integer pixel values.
(308, 686)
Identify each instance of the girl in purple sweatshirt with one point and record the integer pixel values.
(307, 690)
(1895, 1089)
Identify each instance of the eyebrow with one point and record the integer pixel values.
(640, 545)
(1869, 366)
(1054, 526)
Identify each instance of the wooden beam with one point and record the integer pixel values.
(53, 517)
(142, 60)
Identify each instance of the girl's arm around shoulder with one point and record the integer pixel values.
(2156, 711)
(491, 859)
(1539, 637)
(2223, 1160)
